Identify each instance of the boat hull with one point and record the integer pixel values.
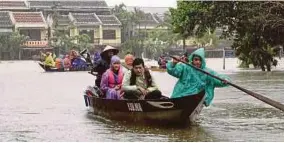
(51, 69)
(182, 110)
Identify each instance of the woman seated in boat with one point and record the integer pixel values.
(49, 61)
(66, 62)
(112, 79)
(73, 55)
(79, 63)
(139, 84)
(191, 81)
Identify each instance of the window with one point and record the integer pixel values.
(109, 34)
(34, 35)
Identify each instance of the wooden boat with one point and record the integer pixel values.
(177, 111)
(52, 69)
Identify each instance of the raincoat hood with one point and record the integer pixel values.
(201, 53)
(191, 81)
(114, 59)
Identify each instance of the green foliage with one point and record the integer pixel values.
(64, 42)
(190, 18)
(12, 43)
(256, 26)
(83, 42)
(150, 42)
(61, 40)
(207, 40)
(131, 45)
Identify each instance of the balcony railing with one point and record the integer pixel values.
(36, 43)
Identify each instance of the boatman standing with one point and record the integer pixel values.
(190, 81)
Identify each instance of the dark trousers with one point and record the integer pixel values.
(156, 94)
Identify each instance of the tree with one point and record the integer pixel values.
(190, 19)
(256, 26)
(209, 39)
(83, 42)
(125, 18)
(253, 24)
(12, 43)
(64, 42)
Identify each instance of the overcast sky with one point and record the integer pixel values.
(144, 3)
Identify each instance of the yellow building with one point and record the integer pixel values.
(32, 25)
(110, 30)
(102, 29)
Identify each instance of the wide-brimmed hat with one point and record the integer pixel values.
(108, 48)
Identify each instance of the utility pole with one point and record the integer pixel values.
(224, 57)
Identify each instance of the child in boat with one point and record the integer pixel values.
(112, 79)
(191, 81)
(139, 84)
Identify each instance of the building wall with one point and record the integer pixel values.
(117, 40)
(74, 31)
(43, 33)
(98, 35)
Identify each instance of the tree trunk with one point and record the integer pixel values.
(262, 65)
(268, 66)
(183, 44)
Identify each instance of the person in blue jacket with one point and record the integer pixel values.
(191, 81)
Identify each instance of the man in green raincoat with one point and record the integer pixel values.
(191, 81)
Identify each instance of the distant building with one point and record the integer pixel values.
(6, 25)
(33, 18)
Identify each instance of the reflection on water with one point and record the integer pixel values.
(39, 106)
(143, 132)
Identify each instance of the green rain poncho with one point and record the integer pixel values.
(49, 61)
(191, 81)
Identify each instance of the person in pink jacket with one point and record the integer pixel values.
(112, 79)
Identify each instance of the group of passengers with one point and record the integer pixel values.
(72, 60)
(116, 82)
(138, 83)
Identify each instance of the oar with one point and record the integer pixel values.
(92, 73)
(262, 98)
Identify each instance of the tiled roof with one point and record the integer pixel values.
(109, 20)
(159, 10)
(12, 4)
(64, 20)
(86, 19)
(5, 20)
(69, 4)
(28, 17)
(148, 19)
(158, 18)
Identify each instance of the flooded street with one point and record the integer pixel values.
(39, 106)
